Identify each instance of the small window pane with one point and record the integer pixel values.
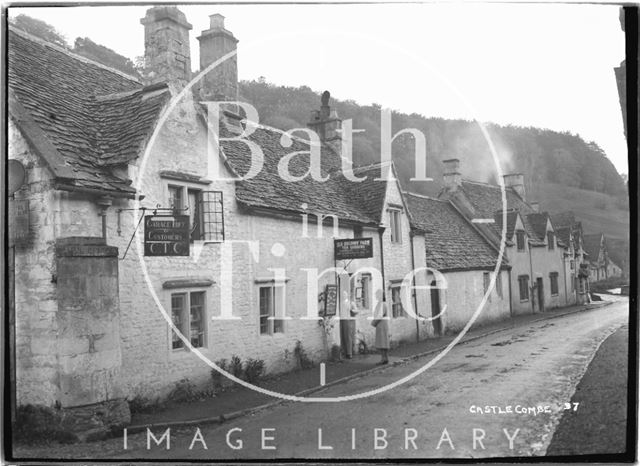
(178, 317)
(197, 319)
(265, 309)
(396, 302)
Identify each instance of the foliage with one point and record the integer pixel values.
(607, 284)
(184, 391)
(304, 362)
(217, 378)
(541, 154)
(40, 29)
(37, 424)
(254, 369)
(140, 404)
(363, 348)
(336, 353)
(235, 367)
(89, 49)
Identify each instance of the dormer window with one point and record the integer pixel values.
(520, 240)
(551, 240)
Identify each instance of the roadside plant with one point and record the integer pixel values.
(336, 353)
(37, 424)
(254, 369)
(184, 391)
(304, 362)
(235, 367)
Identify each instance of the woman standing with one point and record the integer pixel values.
(381, 323)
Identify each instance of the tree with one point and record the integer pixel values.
(88, 48)
(40, 29)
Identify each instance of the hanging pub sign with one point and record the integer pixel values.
(330, 301)
(18, 221)
(166, 235)
(356, 248)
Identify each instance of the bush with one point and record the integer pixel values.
(217, 378)
(254, 369)
(235, 367)
(336, 353)
(143, 405)
(40, 424)
(611, 282)
(304, 362)
(184, 391)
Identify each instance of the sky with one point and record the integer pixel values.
(543, 65)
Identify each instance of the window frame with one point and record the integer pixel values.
(499, 284)
(276, 294)
(396, 290)
(525, 279)
(553, 279)
(486, 283)
(187, 311)
(364, 301)
(395, 224)
(520, 234)
(185, 190)
(551, 240)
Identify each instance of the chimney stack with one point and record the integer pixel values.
(515, 181)
(452, 176)
(535, 206)
(325, 122)
(220, 83)
(166, 46)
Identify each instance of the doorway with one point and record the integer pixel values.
(347, 323)
(435, 309)
(540, 286)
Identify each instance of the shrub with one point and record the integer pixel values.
(336, 353)
(235, 367)
(363, 348)
(184, 391)
(217, 378)
(254, 369)
(304, 362)
(144, 405)
(40, 424)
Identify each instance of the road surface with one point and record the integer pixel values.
(458, 408)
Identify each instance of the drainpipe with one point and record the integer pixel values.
(564, 268)
(413, 292)
(533, 310)
(104, 203)
(384, 285)
(510, 296)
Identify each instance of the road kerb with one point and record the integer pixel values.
(219, 419)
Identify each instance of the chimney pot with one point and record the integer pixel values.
(325, 122)
(451, 165)
(216, 21)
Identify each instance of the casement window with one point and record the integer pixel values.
(499, 284)
(395, 225)
(271, 301)
(189, 315)
(551, 240)
(486, 282)
(204, 208)
(396, 303)
(553, 278)
(572, 264)
(363, 292)
(520, 240)
(357, 232)
(523, 285)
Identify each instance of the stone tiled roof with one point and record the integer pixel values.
(591, 245)
(359, 202)
(538, 224)
(487, 199)
(452, 243)
(564, 235)
(512, 217)
(93, 117)
(564, 219)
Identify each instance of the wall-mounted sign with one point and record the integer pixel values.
(330, 301)
(18, 221)
(166, 235)
(356, 248)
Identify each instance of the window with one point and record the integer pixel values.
(204, 208)
(520, 240)
(396, 303)
(486, 281)
(573, 283)
(188, 314)
(357, 232)
(269, 309)
(553, 278)
(573, 264)
(523, 284)
(363, 293)
(395, 225)
(551, 240)
(499, 284)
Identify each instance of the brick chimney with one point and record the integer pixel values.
(452, 176)
(515, 181)
(166, 46)
(221, 83)
(325, 122)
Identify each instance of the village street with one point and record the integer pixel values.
(533, 366)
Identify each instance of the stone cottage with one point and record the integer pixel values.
(570, 234)
(531, 248)
(595, 246)
(462, 264)
(109, 158)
